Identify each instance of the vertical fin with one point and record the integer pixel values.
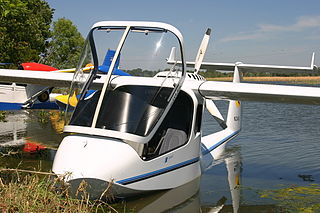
(172, 56)
(234, 111)
(109, 57)
(312, 61)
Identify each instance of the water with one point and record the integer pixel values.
(278, 144)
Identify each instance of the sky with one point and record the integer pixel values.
(283, 32)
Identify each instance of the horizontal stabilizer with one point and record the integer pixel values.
(259, 92)
(243, 67)
(255, 67)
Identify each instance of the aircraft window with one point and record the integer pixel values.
(198, 118)
(133, 109)
(22, 85)
(130, 109)
(5, 83)
(83, 114)
(174, 130)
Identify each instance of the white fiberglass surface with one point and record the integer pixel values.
(126, 51)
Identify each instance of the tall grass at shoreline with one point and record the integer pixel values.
(39, 193)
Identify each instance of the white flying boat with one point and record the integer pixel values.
(142, 134)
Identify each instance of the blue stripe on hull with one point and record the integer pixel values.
(226, 139)
(10, 106)
(157, 172)
(17, 106)
(45, 105)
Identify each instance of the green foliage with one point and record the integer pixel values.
(296, 198)
(43, 116)
(3, 115)
(140, 72)
(24, 29)
(65, 45)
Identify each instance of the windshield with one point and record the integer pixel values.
(133, 102)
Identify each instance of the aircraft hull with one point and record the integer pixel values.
(12, 96)
(104, 162)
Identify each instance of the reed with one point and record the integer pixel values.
(32, 191)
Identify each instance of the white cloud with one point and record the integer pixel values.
(243, 36)
(302, 23)
(266, 30)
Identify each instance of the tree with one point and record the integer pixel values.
(24, 29)
(65, 45)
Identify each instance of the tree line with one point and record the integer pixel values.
(217, 74)
(27, 34)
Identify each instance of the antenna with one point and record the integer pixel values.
(202, 51)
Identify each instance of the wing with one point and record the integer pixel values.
(54, 79)
(64, 79)
(259, 92)
(243, 67)
(255, 67)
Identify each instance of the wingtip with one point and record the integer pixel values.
(208, 32)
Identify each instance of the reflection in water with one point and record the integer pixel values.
(181, 199)
(186, 198)
(57, 121)
(25, 139)
(13, 129)
(275, 150)
(25, 143)
(234, 167)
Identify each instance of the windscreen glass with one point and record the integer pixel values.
(133, 53)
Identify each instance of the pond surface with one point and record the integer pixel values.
(277, 147)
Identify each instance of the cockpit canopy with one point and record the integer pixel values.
(132, 106)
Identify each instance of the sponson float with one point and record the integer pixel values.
(142, 134)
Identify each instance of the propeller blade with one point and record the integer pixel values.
(214, 111)
(202, 51)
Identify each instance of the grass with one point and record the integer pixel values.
(43, 116)
(3, 115)
(31, 191)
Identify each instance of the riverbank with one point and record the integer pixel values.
(32, 191)
(294, 80)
